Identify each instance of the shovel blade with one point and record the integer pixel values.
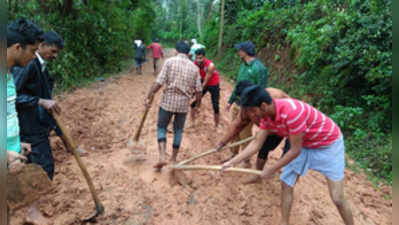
(93, 219)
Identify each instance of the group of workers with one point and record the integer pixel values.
(313, 140)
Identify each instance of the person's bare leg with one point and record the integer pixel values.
(193, 115)
(336, 190)
(216, 117)
(140, 70)
(173, 158)
(161, 163)
(35, 217)
(287, 197)
(260, 164)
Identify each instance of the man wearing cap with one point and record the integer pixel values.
(316, 144)
(271, 143)
(157, 53)
(139, 55)
(181, 79)
(251, 69)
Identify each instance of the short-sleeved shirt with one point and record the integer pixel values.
(182, 79)
(156, 50)
(214, 79)
(253, 71)
(294, 117)
(13, 139)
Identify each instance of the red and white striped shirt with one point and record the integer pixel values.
(295, 117)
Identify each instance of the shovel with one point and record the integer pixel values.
(136, 145)
(216, 167)
(99, 205)
(177, 176)
(215, 150)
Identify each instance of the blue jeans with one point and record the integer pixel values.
(164, 118)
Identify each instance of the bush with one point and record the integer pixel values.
(98, 35)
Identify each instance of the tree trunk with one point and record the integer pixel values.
(16, 6)
(199, 19)
(180, 28)
(44, 5)
(9, 4)
(67, 7)
(210, 3)
(221, 30)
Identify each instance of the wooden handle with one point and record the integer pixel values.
(82, 167)
(138, 131)
(215, 167)
(215, 150)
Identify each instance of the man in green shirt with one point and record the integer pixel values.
(22, 43)
(251, 69)
(23, 39)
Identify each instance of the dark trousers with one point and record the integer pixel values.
(215, 93)
(155, 61)
(41, 154)
(164, 118)
(272, 141)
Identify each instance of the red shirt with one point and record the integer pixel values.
(295, 117)
(156, 50)
(214, 79)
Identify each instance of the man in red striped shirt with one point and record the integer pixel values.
(157, 53)
(316, 143)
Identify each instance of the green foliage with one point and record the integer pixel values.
(175, 20)
(98, 35)
(342, 51)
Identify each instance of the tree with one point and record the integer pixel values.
(199, 15)
(221, 29)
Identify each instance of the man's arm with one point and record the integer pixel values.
(198, 90)
(21, 76)
(251, 149)
(154, 89)
(293, 152)
(233, 94)
(25, 100)
(235, 128)
(162, 77)
(208, 75)
(261, 78)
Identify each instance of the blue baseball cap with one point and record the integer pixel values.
(246, 46)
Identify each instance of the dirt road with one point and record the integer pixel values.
(104, 116)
